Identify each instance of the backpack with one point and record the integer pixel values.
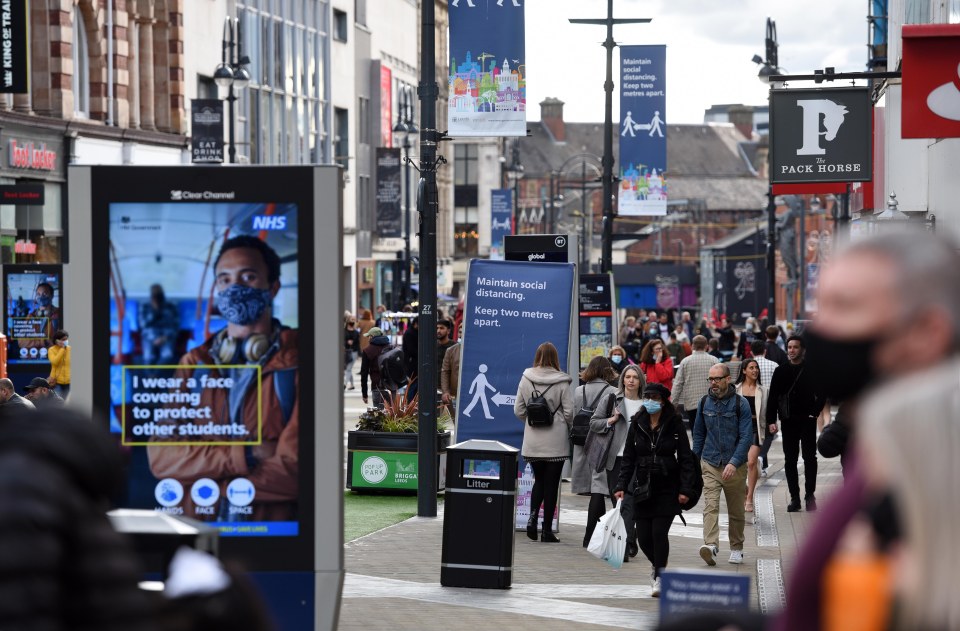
(538, 410)
(392, 368)
(581, 421)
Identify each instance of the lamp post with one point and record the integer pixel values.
(609, 186)
(406, 128)
(597, 168)
(232, 73)
(769, 67)
(679, 244)
(514, 174)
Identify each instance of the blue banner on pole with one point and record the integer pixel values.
(643, 131)
(501, 212)
(488, 93)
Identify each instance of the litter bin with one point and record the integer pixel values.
(157, 536)
(479, 515)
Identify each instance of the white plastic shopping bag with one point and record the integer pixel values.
(609, 540)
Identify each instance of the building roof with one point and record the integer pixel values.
(704, 161)
(736, 237)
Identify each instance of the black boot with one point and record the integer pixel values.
(794, 505)
(811, 503)
(547, 535)
(532, 527)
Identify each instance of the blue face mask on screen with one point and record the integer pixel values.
(44, 301)
(243, 305)
(652, 406)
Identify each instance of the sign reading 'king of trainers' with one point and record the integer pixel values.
(821, 135)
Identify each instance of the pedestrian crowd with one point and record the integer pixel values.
(679, 414)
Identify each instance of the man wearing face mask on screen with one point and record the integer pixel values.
(247, 277)
(887, 307)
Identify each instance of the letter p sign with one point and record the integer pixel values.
(832, 115)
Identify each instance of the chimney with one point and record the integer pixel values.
(742, 118)
(551, 116)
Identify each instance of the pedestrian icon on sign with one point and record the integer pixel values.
(479, 391)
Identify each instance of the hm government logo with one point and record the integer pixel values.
(833, 115)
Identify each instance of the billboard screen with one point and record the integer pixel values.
(201, 283)
(33, 299)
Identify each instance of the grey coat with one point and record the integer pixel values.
(552, 441)
(584, 480)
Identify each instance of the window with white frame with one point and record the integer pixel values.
(81, 67)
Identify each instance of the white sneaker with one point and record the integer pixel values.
(655, 588)
(709, 554)
(736, 557)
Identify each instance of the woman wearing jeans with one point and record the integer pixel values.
(545, 447)
(658, 453)
(351, 346)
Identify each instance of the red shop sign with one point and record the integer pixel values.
(931, 81)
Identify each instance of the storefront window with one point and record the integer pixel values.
(33, 234)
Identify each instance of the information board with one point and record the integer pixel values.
(596, 325)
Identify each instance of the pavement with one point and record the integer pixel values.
(393, 575)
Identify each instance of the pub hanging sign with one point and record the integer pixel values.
(821, 135)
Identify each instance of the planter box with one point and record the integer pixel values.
(385, 461)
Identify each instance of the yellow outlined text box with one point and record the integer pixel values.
(188, 443)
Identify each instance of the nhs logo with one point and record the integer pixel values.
(269, 222)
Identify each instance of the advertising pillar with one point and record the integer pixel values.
(197, 346)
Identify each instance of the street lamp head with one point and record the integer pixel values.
(765, 71)
(412, 127)
(241, 78)
(400, 127)
(223, 76)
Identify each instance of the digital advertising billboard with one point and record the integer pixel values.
(201, 290)
(33, 311)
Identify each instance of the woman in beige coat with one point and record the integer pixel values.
(545, 447)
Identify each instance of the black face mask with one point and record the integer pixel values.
(841, 369)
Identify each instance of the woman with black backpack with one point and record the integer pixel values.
(545, 404)
(658, 454)
(596, 390)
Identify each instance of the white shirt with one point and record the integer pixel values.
(766, 370)
(633, 406)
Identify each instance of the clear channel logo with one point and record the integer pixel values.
(205, 492)
(241, 492)
(169, 492)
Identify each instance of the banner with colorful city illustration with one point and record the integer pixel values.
(488, 93)
(642, 189)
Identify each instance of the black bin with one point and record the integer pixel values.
(479, 515)
(157, 536)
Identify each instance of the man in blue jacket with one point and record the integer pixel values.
(722, 434)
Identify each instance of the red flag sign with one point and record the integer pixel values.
(931, 81)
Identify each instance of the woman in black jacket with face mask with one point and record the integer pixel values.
(658, 453)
